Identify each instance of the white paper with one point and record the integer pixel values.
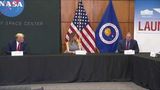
(17, 53)
(153, 54)
(129, 52)
(80, 52)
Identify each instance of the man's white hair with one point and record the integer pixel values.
(19, 35)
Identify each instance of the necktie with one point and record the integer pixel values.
(127, 45)
(18, 47)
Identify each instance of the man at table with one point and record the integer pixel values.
(128, 44)
(17, 45)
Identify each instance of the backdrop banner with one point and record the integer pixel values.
(147, 25)
(39, 20)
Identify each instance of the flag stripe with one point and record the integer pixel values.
(90, 46)
(91, 31)
(80, 35)
(67, 37)
(88, 39)
(83, 40)
(70, 31)
(85, 48)
(80, 25)
(89, 34)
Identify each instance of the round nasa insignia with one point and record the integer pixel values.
(107, 32)
(11, 8)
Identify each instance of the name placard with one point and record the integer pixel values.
(153, 54)
(129, 52)
(17, 53)
(80, 52)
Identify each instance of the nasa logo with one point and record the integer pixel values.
(11, 8)
(108, 32)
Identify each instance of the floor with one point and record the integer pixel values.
(77, 86)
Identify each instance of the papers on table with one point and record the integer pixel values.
(129, 52)
(80, 52)
(153, 54)
(17, 53)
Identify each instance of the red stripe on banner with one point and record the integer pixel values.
(90, 34)
(72, 29)
(85, 47)
(92, 38)
(90, 44)
(66, 40)
(66, 37)
(69, 33)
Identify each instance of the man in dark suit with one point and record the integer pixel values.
(17, 45)
(128, 44)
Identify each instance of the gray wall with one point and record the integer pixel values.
(43, 38)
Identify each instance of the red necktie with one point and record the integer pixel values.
(18, 47)
(127, 45)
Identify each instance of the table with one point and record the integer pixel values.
(140, 69)
(63, 68)
(146, 71)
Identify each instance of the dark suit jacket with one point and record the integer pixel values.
(12, 47)
(133, 46)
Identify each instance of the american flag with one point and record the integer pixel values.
(81, 26)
